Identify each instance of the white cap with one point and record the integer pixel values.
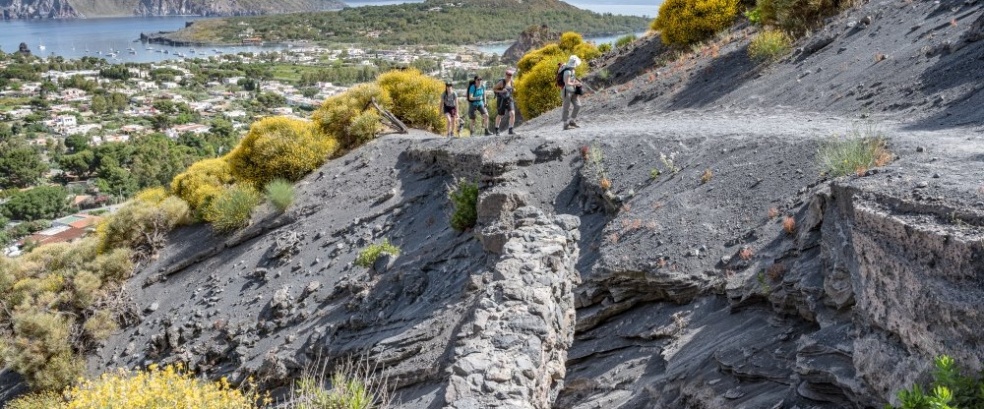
(574, 61)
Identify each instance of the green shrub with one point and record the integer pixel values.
(604, 48)
(536, 91)
(796, 16)
(853, 154)
(685, 22)
(42, 202)
(769, 45)
(368, 255)
(40, 349)
(279, 148)
(950, 389)
(337, 114)
(280, 193)
(464, 198)
(231, 210)
(625, 40)
(345, 393)
(142, 226)
(416, 98)
(202, 182)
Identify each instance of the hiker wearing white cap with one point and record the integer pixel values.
(569, 93)
(504, 103)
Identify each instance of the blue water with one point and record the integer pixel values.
(100, 37)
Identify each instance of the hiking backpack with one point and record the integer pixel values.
(559, 81)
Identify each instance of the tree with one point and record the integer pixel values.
(99, 104)
(77, 142)
(6, 131)
(43, 202)
(79, 164)
(115, 180)
(161, 122)
(20, 167)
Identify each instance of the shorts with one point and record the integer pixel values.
(453, 111)
(480, 108)
(505, 105)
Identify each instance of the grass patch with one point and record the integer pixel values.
(854, 154)
(464, 198)
(280, 193)
(367, 257)
(231, 210)
(769, 45)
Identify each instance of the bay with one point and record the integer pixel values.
(117, 39)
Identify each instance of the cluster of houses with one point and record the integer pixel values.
(64, 230)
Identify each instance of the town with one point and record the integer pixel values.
(80, 136)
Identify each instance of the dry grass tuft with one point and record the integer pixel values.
(789, 225)
(706, 176)
(746, 253)
(773, 213)
(776, 271)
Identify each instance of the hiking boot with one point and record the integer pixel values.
(487, 133)
(496, 129)
(573, 124)
(567, 126)
(511, 131)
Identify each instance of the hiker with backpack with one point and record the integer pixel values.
(449, 105)
(503, 90)
(570, 91)
(476, 103)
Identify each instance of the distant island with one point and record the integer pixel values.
(431, 22)
(68, 9)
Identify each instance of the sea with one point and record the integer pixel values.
(117, 39)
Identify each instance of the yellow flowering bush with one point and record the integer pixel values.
(416, 98)
(39, 400)
(157, 388)
(279, 148)
(202, 181)
(536, 90)
(153, 195)
(337, 115)
(684, 22)
(52, 292)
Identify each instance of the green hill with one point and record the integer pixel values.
(430, 22)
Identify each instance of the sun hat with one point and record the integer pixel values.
(574, 61)
(510, 71)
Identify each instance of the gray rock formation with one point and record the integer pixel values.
(530, 39)
(31, 9)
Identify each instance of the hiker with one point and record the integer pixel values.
(568, 92)
(476, 103)
(504, 101)
(449, 105)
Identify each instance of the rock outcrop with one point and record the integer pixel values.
(530, 39)
(36, 9)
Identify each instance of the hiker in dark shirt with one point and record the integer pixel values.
(504, 90)
(449, 105)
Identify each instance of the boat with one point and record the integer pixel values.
(150, 48)
(166, 52)
(41, 45)
(133, 52)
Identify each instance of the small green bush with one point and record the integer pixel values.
(853, 154)
(345, 393)
(625, 40)
(604, 48)
(950, 389)
(685, 22)
(231, 210)
(368, 256)
(769, 45)
(280, 193)
(464, 198)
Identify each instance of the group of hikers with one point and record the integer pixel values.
(504, 90)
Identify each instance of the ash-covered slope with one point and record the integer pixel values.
(674, 291)
(922, 61)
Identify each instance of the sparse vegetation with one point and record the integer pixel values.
(746, 253)
(232, 208)
(142, 225)
(686, 22)
(769, 45)
(368, 255)
(654, 173)
(280, 193)
(776, 271)
(605, 183)
(789, 225)
(773, 213)
(796, 16)
(853, 154)
(625, 40)
(668, 162)
(464, 199)
(345, 393)
(706, 176)
(949, 389)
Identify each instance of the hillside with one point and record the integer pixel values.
(17, 9)
(722, 269)
(430, 22)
